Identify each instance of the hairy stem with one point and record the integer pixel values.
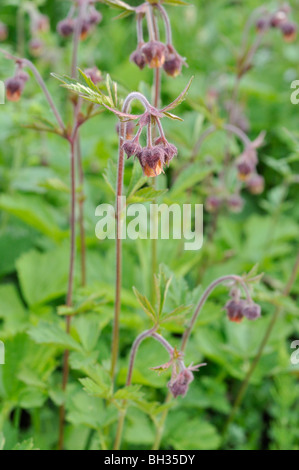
(69, 299)
(119, 190)
(146, 334)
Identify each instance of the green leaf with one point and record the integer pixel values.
(131, 393)
(25, 445)
(43, 276)
(179, 99)
(50, 333)
(145, 304)
(110, 175)
(189, 177)
(176, 314)
(35, 212)
(146, 195)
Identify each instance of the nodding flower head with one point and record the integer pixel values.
(94, 74)
(256, 184)
(246, 164)
(42, 24)
(132, 147)
(36, 47)
(151, 160)
(138, 58)
(85, 29)
(154, 53)
(180, 384)
(180, 380)
(213, 203)
(173, 62)
(279, 17)
(262, 24)
(95, 17)
(237, 308)
(289, 31)
(66, 27)
(170, 151)
(3, 32)
(235, 203)
(15, 85)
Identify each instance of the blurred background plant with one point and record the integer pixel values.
(34, 202)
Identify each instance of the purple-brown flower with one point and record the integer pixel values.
(154, 52)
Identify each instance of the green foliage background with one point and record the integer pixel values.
(34, 203)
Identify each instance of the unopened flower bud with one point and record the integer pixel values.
(180, 385)
(235, 203)
(262, 24)
(94, 74)
(154, 52)
(66, 27)
(138, 58)
(95, 17)
(256, 184)
(234, 310)
(85, 29)
(36, 46)
(42, 24)
(251, 311)
(289, 31)
(173, 62)
(131, 148)
(245, 166)
(170, 150)
(213, 203)
(3, 32)
(14, 88)
(278, 18)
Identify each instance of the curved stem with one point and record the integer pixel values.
(227, 127)
(120, 176)
(146, 334)
(276, 315)
(139, 27)
(77, 33)
(166, 20)
(203, 299)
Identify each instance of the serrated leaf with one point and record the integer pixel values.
(177, 313)
(50, 333)
(131, 392)
(146, 195)
(145, 304)
(179, 99)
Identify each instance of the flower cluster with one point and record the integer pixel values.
(155, 53)
(39, 24)
(279, 20)
(181, 376)
(67, 26)
(15, 85)
(238, 308)
(246, 166)
(233, 202)
(3, 31)
(156, 154)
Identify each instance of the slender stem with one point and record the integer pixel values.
(203, 299)
(227, 127)
(166, 22)
(120, 176)
(75, 152)
(77, 33)
(186, 336)
(69, 299)
(145, 334)
(276, 315)
(81, 213)
(150, 25)
(139, 27)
